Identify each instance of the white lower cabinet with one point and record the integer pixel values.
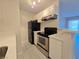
(35, 37)
(55, 48)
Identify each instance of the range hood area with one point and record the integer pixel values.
(49, 17)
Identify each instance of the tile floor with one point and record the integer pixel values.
(31, 52)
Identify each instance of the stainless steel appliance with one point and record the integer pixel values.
(43, 45)
(43, 40)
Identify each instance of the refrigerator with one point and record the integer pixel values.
(32, 26)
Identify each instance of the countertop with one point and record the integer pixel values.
(56, 36)
(62, 34)
(8, 39)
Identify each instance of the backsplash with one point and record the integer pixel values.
(50, 23)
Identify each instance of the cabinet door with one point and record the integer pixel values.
(55, 49)
(35, 38)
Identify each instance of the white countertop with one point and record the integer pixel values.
(9, 40)
(56, 36)
(37, 31)
(62, 34)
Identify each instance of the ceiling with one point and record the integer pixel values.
(28, 4)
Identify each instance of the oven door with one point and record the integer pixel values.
(43, 42)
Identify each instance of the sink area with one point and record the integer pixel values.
(3, 51)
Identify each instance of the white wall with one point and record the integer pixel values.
(9, 15)
(9, 25)
(25, 17)
(23, 33)
(45, 12)
(50, 23)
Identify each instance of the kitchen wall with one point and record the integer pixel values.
(48, 11)
(23, 34)
(25, 17)
(50, 23)
(9, 26)
(45, 12)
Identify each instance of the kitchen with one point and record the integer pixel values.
(14, 18)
